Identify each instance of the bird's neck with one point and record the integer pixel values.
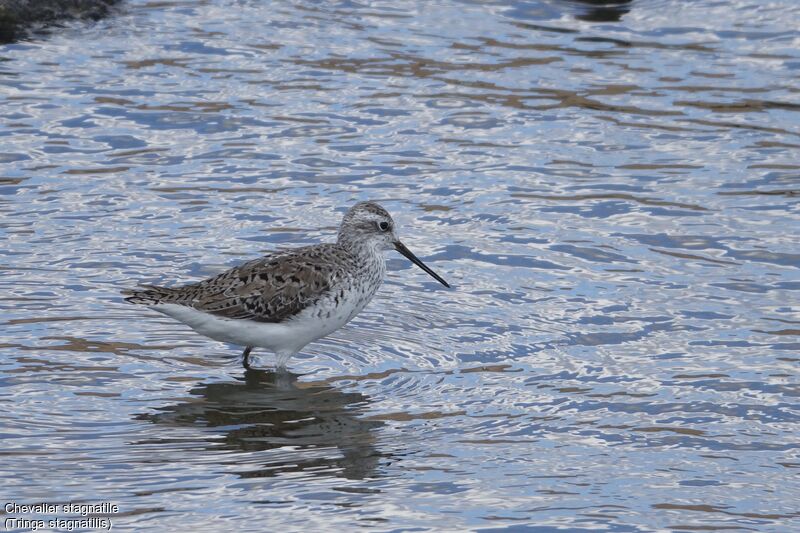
(363, 249)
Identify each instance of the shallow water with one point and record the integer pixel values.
(613, 193)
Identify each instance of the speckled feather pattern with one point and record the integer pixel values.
(277, 287)
(289, 298)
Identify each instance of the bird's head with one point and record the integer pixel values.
(368, 226)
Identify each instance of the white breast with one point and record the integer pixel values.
(324, 317)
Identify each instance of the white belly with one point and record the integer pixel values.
(287, 337)
(279, 338)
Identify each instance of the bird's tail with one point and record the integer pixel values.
(149, 295)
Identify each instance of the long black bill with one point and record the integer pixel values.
(400, 247)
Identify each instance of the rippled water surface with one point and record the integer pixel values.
(612, 191)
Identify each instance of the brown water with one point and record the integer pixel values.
(612, 191)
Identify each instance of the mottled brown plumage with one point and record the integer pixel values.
(273, 288)
(287, 299)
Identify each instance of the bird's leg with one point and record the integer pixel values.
(246, 356)
(282, 359)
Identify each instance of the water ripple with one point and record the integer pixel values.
(609, 187)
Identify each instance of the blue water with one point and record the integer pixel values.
(613, 193)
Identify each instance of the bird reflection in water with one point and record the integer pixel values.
(321, 426)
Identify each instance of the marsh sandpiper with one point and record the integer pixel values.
(287, 299)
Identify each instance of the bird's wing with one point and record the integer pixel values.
(270, 289)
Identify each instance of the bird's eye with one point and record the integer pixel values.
(384, 226)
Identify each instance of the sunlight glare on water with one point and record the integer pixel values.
(611, 189)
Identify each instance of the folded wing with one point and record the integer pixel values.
(270, 289)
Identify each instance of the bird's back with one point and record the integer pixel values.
(273, 288)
